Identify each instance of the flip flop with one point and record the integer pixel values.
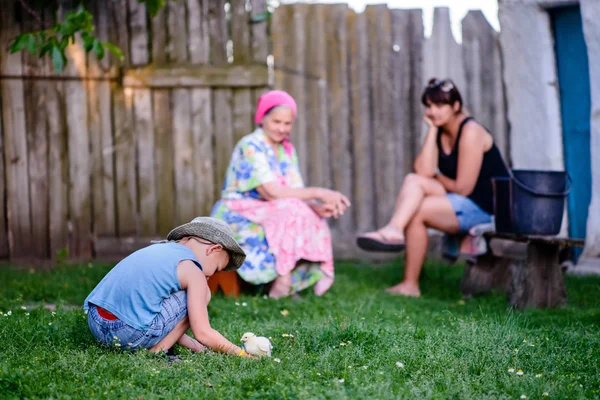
(370, 244)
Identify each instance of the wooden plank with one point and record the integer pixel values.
(362, 144)
(15, 143)
(202, 161)
(258, 32)
(201, 112)
(142, 123)
(218, 32)
(119, 32)
(240, 32)
(58, 174)
(416, 45)
(554, 240)
(4, 250)
(339, 109)
(80, 199)
(100, 128)
(401, 96)
(139, 33)
(109, 248)
(159, 38)
(247, 76)
(317, 130)
(242, 113)
(144, 132)
(165, 177)
(183, 161)
(296, 84)
(379, 33)
(177, 36)
(198, 31)
(224, 140)
(125, 162)
(281, 42)
(37, 147)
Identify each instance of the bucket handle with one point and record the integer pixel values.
(535, 192)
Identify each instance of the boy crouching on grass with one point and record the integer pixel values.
(152, 297)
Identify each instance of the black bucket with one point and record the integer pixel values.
(531, 202)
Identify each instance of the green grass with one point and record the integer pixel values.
(448, 348)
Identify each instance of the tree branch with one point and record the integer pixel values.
(31, 11)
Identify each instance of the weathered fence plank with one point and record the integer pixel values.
(224, 140)
(240, 32)
(15, 142)
(317, 112)
(164, 153)
(201, 113)
(159, 38)
(100, 128)
(380, 36)
(203, 159)
(282, 41)
(198, 31)
(4, 250)
(144, 132)
(80, 196)
(221, 98)
(125, 162)
(177, 34)
(258, 38)
(339, 110)
(363, 197)
(483, 91)
(139, 32)
(402, 54)
(416, 44)
(184, 173)
(37, 147)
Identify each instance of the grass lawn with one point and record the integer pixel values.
(355, 342)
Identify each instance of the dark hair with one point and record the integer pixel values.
(441, 92)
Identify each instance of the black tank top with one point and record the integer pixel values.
(492, 166)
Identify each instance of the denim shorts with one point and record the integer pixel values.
(468, 213)
(117, 333)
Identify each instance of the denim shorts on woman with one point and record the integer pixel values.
(118, 334)
(468, 213)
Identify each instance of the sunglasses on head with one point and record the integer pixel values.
(445, 85)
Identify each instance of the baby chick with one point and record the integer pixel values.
(257, 345)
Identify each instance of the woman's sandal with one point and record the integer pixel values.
(370, 244)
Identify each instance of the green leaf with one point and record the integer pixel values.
(153, 6)
(114, 50)
(98, 49)
(58, 59)
(88, 41)
(32, 44)
(20, 43)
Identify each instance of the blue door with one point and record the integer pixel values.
(575, 105)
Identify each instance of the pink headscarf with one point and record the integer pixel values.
(272, 99)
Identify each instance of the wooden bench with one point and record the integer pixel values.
(536, 281)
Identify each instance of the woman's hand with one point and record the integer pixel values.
(428, 121)
(324, 210)
(334, 200)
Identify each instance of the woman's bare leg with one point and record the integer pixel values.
(281, 286)
(414, 189)
(435, 212)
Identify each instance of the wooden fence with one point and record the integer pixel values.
(105, 154)
(358, 78)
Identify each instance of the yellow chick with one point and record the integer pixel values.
(257, 345)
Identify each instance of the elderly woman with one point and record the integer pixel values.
(451, 189)
(278, 221)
